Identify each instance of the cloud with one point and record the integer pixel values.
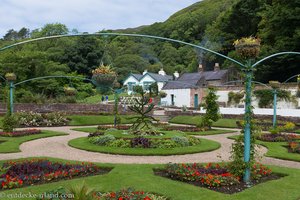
(86, 15)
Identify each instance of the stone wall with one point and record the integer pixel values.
(66, 107)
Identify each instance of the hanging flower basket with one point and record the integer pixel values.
(10, 76)
(104, 75)
(70, 91)
(274, 84)
(247, 47)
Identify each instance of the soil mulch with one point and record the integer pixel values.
(231, 189)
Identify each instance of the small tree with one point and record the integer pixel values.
(212, 108)
(143, 122)
(9, 121)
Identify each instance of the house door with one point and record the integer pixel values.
(196, 101)
(172, 100)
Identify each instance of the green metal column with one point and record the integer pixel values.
(248, 111)
(11, 96)
(116, 108)
(274, 107)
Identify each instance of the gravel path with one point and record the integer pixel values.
(57, 147)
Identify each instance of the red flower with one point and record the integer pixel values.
(112, 194)
(121, 198)
(20, 182)
(147, 198)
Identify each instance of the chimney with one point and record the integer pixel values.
(176, 75)
(217, 67)
(162, 72)
(145, 71)
(200, 69)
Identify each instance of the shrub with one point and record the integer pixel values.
(211, 106)
(102, 140)
(95, 134)
(275, 130)
(121, 143)
(140, 142)
(9, 123)
(182, 141)
(38, 119)
(164, 144)
(289, 126)
(193, 140)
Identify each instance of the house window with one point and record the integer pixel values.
(146, 85)
(130, 86)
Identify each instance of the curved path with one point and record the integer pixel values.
(57, 147)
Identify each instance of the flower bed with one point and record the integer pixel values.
(294, 147)
(130, 194)
(214, 176)
(270, 137)
(124, 194)
(21, 133)
(30, 119)
(38, 171)
(142, 142)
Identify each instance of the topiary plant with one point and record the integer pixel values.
(211, 106)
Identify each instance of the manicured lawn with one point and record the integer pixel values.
(87, 130)
(210, 132)
(11, 144)
(141, 177)
(276, 150)
(97, 98)
(194, 120)
(84, 144)
(82, 120)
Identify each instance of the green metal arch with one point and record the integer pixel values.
(49, 77)
(123, 34)
(291, 78)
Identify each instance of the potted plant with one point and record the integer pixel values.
(10, 76)
(104, 75)
(70, 91)
(247, 47)
(274, 84)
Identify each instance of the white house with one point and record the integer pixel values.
(146, 79)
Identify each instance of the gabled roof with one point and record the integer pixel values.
(158, 77)
(137, 76)
(192, 80)
(178, 85)
(208, 75)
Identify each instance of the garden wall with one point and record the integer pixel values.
(65, 107)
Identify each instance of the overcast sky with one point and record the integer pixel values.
(86, 15)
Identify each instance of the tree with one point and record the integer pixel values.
(143, 121)
(279, 31)
(50, 30)
(83, 55)
(211, 106)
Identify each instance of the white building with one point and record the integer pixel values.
(146, 79)
(189, 89)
